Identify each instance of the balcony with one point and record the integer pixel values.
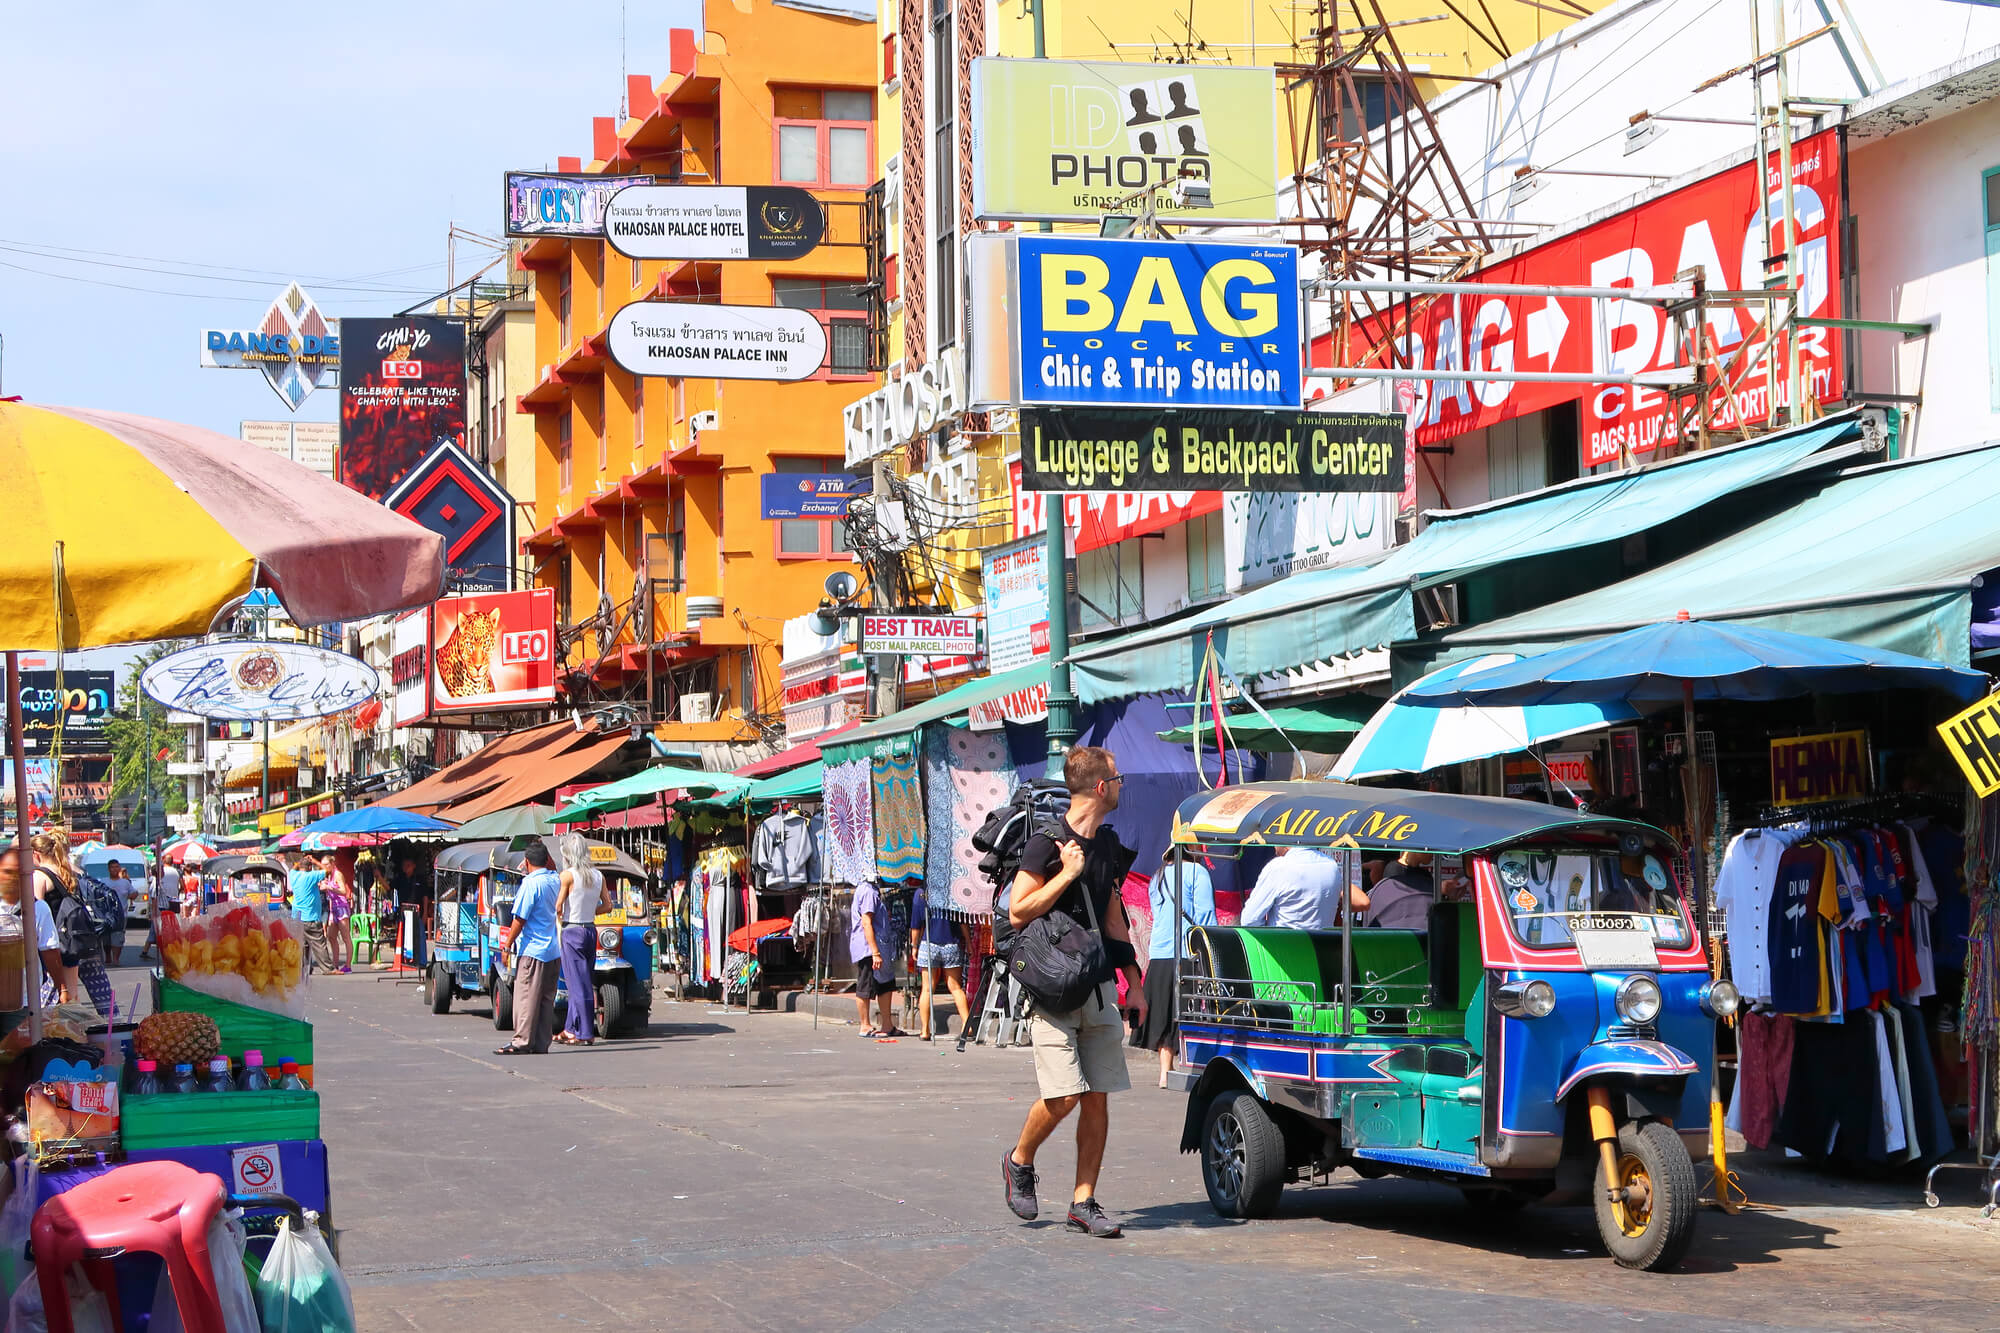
(550, 394)
(583, 362)
(541, 252)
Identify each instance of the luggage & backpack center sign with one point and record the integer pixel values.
(1157, 323)
(1111, 449)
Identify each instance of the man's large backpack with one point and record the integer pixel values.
(105, 908)
(76, 935)
(1035, 806)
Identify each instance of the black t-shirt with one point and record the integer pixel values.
(1105, 861)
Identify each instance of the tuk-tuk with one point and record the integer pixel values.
(459, 965)
(1550, 1036)
(623, 968)
(249, 877)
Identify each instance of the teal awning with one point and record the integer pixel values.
(1276, 730)
(643, 787)
(1332, 613)
(861, 742)
(1885, 555)
(791, 785)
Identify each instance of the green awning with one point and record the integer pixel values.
(1334, 613)
(897, 727)
(791, 785)
(1278, 730)
(1886, 555)
(643, 787)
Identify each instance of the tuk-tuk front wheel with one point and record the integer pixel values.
(1242, 1156)
(610, 1009)
(1651, 1227)
(503, 1002)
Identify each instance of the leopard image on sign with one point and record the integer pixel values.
(493, 651)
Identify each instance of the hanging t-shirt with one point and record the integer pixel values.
(1743, 890)
(1797, 952)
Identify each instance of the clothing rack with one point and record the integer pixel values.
(1835, 816)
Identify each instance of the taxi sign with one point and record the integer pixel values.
(603, 854)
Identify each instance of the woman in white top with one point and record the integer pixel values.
(582, 896)
(46, 942)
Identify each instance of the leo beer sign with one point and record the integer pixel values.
(493, 651)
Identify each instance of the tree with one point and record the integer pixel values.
(138, 728)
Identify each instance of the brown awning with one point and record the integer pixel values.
(517, 768)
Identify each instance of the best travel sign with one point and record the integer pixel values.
(1157, 323)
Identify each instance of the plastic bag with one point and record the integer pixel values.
(251, 955)
(17, 1215)
(89, 1312)
(227, 1242)
(301, 1288)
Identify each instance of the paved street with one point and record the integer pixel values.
(756, 1173)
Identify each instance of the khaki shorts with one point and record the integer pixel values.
(1082, 1050)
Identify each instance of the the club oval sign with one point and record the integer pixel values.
(255, 681)
(725, 342)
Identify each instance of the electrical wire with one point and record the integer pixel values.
(221, 273)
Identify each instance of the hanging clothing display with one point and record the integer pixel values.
(967, 776)
(784, 851)
(716, 886)
(1830, 938)
(899, 819)
(850, 824)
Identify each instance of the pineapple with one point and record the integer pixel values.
(177, 1039)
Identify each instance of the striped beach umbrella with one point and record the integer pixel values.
(140, 529)
(1410, 738)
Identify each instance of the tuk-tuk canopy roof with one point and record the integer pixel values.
(469, 858)
(236, 864)
(1289, 814)
(603, 856)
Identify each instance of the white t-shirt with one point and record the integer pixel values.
(45, 923)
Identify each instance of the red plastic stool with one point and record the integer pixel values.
(160, 1207)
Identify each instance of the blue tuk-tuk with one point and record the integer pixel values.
(1549, 1036)
(623, 967)
(459, 966)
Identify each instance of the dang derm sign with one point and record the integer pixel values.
(1157, 323)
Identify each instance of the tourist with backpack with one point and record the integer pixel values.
(82, 946)
(1065, 940)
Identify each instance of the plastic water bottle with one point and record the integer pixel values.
(288, 1077)
(147, 1081)
(254, 1078)
(218, 1079)
(183, 1080)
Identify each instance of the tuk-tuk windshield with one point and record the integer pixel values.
(1544, 887)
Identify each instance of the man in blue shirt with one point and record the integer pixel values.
(1300, 890)
(309, 906)
(534, 930)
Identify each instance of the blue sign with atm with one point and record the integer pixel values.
(809, 494)
(1157, 323)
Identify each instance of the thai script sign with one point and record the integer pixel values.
(724, 342)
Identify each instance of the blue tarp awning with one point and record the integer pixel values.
(1338, 612)
(1886, 556)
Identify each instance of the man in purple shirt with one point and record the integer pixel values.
(874, 965)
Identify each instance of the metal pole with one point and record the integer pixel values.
(22, 852)
(264, 801)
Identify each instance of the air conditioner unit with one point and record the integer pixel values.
(698, 707)
(710, 420)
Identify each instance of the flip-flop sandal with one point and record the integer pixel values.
(873, 1033)
(894, 1032)
(513, 1050)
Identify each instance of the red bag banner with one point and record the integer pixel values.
(1724, 225)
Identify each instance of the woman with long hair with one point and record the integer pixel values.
(55, 882)
(582, 896)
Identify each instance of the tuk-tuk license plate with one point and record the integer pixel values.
(1612, 941)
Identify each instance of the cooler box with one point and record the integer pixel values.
(182, 1119)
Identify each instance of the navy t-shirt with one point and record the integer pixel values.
(1797, 950)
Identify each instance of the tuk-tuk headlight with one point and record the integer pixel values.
(607, 941)
(651, 937)
(1637, 999)
(1721, 998)
(1525, 999)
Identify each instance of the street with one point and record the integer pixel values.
(756, 1173)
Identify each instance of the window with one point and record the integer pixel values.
(943, 171)
(1543, 887)
(1379, 104)
(1207, 576)
(563, 453)
(890, 267)
(562, 309)
(842, 308)
(889, 48)
(638, 279)
(1990, 184)
(597, 276)
(1109, 587)
(824, 138)
(817, 538)
(680, 400)
(638, 413)
(603, 445)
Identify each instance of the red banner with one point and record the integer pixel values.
(1104, 518)
(1723, 225)
(493, 651)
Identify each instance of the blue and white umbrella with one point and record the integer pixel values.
(1409, 738)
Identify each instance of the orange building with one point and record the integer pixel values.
(674, 586)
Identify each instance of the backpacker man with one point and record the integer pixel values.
(1079, 1054)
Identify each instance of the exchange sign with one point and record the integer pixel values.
(714, 222)
(1089, 449)
(723, 342)
(932, 636)
(1157, 323)
(260, 682)
(808, 494)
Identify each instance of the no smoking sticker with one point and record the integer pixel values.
(256, 1169)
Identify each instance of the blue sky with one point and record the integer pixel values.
(204, 154)
(236, 146)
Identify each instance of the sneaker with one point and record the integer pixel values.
(1089, 1218)
(1020, 1187)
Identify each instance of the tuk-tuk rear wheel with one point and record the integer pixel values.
(503, 1002)
(440, 989)
(1242, 1156)
(1652, 1226)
